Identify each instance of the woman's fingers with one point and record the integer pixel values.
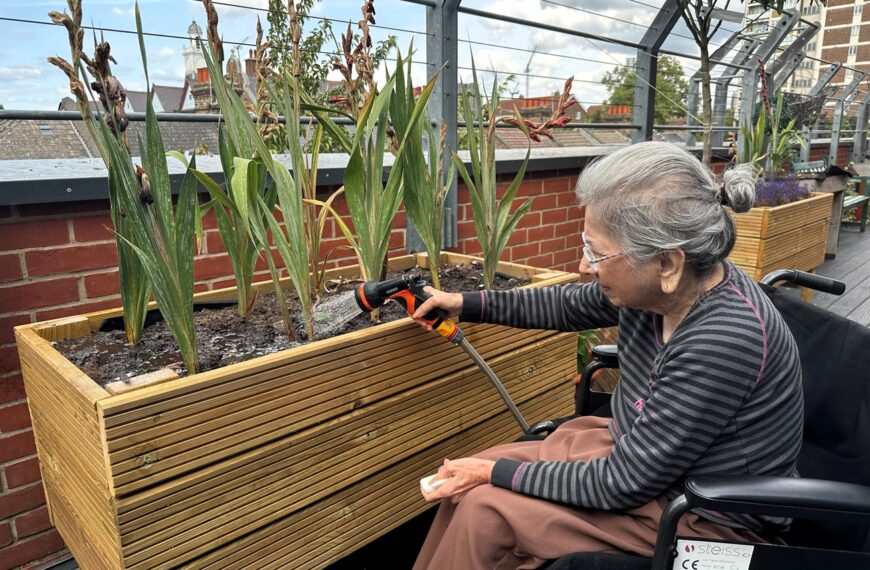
(449, 302)
(460, 477)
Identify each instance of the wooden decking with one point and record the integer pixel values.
(852, 266)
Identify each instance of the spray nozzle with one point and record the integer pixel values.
(408, 291)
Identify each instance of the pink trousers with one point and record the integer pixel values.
(493, 527)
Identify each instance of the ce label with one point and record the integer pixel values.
(693, 565)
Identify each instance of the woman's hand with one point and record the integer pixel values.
(450, 302)
(461, 476)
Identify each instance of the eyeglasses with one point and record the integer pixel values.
(591, 259)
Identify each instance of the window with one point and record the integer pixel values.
(855, 30)
(853, 50)
(811, 47)
(44, 129)
(859, 8)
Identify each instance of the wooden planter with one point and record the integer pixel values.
(792, 236)
(291, 460)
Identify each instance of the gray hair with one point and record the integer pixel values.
(657, 197)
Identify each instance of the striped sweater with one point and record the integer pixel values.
(722, 396)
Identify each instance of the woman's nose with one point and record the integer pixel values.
(584, 267)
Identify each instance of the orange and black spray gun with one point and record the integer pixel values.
(408, 291)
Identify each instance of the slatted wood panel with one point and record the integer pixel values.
(793, 236)
(361, 513)
(767, 221)
(238, 496)
(175, 470)
(69, 441)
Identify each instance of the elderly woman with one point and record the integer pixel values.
(710, 379)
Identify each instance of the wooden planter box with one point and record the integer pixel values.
(291, 460)
(792, 236)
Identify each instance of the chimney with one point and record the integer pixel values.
(251, 64)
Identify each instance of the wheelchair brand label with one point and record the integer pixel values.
(704, 555)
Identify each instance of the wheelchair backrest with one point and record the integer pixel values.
(835, 363)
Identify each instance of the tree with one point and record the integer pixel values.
(671, 85)
(699, 18)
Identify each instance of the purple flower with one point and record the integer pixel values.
(779, 190)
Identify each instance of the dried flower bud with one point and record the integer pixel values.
(145, 195)
(123, 121)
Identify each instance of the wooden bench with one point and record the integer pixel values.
(862, 198)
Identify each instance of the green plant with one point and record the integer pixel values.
(493, 220)
(372, 203)
(782, 140)
(770, 152)
(423, 169)
(250, 154)
(585, 343)
(232, 209)
(134, 287)
(233, 204)
(753, 150)
(161, 238)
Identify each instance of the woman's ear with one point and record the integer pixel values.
(672, 265)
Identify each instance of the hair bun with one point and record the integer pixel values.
(738, 192)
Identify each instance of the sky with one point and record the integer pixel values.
(27, 81)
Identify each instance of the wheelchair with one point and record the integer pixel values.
(829, 504)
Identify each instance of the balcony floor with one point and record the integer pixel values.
(852, 266)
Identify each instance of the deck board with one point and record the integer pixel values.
(852, 266)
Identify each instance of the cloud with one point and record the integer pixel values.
(122, 13)
(238, 7)
(19, 73)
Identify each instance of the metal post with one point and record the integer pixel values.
(695, 86)
(860, 137)
(720, 99)
(643, 112)
(844, 102)
(442, 25)
(749, 86)
(818, 89)
(781, 69)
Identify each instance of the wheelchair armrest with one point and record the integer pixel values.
(607, 353)
(756, 495)
(603, 356)
(778, 496)
(544, 427)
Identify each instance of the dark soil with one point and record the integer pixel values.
(225, 338)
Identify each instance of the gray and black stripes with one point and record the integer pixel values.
(723, 396)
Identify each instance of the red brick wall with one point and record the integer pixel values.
(59, 259)
(838, 16)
